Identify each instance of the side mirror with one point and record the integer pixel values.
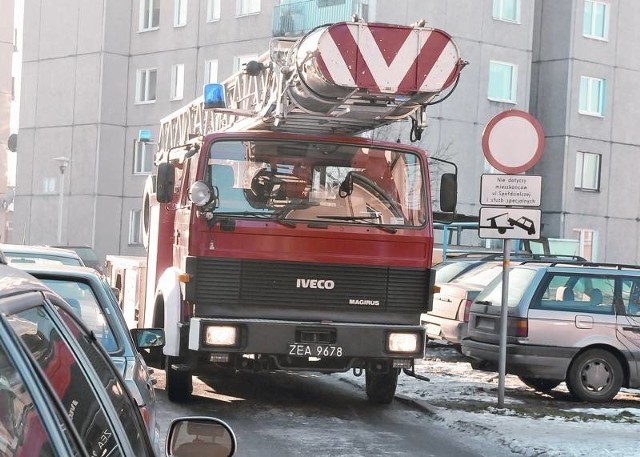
(189, 436)
(148, 337)
(448, 192)
(165, 182)
(346, 186)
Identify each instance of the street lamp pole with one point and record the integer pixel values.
(63, 165)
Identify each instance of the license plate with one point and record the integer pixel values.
(315, 350)
(486, 323)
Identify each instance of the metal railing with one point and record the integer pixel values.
(295, 18)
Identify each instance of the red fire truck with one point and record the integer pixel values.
(278, 237)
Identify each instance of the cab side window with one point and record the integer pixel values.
(68, 379)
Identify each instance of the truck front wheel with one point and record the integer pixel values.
(381, 387)
(178, 379)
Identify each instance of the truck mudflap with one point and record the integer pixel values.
(307, 345)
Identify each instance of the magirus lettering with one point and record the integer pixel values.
(353, 301)
(315, 284)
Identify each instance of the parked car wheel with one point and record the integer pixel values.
(179, 382)
(381, 387)
(595, 376)
(540, 385)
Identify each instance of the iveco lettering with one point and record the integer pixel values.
(315, 284)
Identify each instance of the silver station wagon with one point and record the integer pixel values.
(574, 323)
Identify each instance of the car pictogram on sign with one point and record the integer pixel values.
(524, 223)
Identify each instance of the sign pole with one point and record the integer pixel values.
(502, 361)
(512, 142)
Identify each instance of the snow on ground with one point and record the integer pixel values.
(531, 423)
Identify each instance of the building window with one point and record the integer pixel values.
(245, 7)
(135, 226)
(587, 243)
(328, 3)
(502, 82)
(15, 40)
(506, 10)
(143, 157)
(213, 10)
(149, 15)
(180, 13)
(211, 71)
(241, 61)
(49, 185)
(592, 94)
(596, 19)
(146, 85)
(588, 171)
(177, 81)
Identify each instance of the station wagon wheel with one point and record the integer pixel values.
(540, 385)
(595, 376)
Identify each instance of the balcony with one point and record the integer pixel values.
(295, 18)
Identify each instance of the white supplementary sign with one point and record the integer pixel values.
(509, 223)
(510, 190)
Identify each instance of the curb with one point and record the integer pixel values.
(420, 404)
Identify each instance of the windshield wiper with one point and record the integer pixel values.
(483, 302)
(384, 228)
(256, 214)
(349, 218)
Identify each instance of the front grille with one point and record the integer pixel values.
(301, 285)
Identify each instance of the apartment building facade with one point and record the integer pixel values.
(122, 66)
(7, 49)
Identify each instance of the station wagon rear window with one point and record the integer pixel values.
(519, 280)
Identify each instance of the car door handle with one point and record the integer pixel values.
(631, 329)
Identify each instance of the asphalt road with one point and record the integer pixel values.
(310, 414)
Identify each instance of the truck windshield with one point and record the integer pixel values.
(319, 182)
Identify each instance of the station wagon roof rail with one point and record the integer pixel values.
(613, 266)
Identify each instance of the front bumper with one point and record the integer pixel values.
(287, 339)
(546, 362)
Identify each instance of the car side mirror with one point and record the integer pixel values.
(448, 192)
(145, 338)
(204, 436)
(165, 182)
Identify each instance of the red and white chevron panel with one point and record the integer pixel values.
(385, 58)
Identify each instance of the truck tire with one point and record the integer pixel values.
(179, 382)
(540, 385)
(381, 387)
(595, 376)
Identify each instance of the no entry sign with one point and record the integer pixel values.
(513, 141)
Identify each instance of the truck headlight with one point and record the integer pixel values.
(403, 342)
(221, 335)
(200, 193)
